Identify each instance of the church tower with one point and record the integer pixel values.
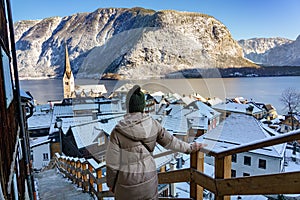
(68, 79)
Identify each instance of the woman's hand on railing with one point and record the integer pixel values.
(195, 146)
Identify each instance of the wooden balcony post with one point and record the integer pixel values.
(172, 185)
(222, 171)
(99, 176)
(163, 169)
(91, 180)
(73, 171)
(197, 162)
(69, 168)
(85, 177)
(78, 173)
(63, 163)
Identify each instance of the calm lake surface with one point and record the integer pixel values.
(260, 89)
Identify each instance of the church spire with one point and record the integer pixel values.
(68, 79)
(68, 70)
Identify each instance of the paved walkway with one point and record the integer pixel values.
(52, 185)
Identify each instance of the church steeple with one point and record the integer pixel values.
(68, 79)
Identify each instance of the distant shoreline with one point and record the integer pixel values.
(263, 71)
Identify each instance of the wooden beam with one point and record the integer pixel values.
(204, 180)
(181, 175)
(222, 171)
(197, 163)
(284, 183)
(165, 153)
(287, 137)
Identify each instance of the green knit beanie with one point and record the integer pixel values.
(135, 100)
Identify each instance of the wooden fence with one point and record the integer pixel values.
(87, 174)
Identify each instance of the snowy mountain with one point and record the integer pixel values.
(272, 51)
(132, 42)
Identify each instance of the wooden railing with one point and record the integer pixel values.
(87, 174)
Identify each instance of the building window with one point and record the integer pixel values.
(233, 158)
(8, 84)
(233, 173)
(247, 160)
(45, 157)
(246, 174)
(101, 141)
(66, 83)
(262, 164)
(102, 159)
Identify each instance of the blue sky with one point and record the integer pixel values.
(244, 18)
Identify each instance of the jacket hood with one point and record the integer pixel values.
(137, 126)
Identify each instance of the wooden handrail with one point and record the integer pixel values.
(287, 137)
(283, 183)
(182, 175)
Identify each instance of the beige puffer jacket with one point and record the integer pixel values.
(131, 169)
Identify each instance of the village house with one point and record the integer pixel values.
(191, 121)
(40, 152)
(290, 122)
(39, 123)
(271, 111)
(226, 108)
(240, 129)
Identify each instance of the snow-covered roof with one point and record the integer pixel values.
(39, 120)
(85, 106)
(187, 100)
(111, 122)
(198, 121)
(69, 121)
(214, 101)
(238, 129)
(34, 142)
(204, 110)
(175, 124)
(124, 88)
(176, 109)
(94, 88)
(86, 134)
(62, 110)
(236, 107)
(73, 121)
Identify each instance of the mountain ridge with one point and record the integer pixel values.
(272, 51)
(133, 42)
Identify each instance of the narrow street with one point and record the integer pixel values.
(52, 185)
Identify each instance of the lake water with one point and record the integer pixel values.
(260, 89)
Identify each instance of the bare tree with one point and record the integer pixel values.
(291, 100)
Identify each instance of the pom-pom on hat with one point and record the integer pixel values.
(135, 100)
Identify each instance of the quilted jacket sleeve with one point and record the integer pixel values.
(168, 141)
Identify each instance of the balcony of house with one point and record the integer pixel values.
(89, 175)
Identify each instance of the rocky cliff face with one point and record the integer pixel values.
(136, 43)
(272, 51)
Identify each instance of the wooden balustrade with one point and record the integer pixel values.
(87, 174)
